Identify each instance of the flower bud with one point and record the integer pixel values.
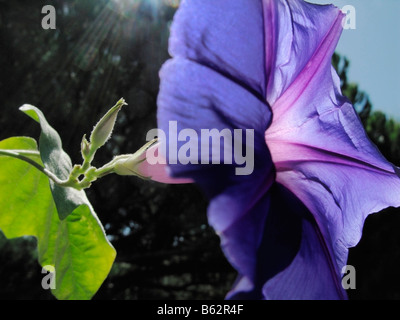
(103, 129)
(85, 147)
(128, 164)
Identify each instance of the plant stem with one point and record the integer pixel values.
(23, 155)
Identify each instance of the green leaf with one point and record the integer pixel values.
(56, 160)
(76, 246)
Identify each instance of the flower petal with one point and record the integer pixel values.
(296, 32)
(197, 97)
(215, 83)
(322, 153)
(292, 261)
(227, 36)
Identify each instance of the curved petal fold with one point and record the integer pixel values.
(292, 261)
(323, 155)
(195, 97)
(227, 36)
(299, 35)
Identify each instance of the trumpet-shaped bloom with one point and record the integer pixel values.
(266, 65)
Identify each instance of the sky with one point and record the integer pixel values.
(373, 49)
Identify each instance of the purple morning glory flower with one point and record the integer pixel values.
(266, 65)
